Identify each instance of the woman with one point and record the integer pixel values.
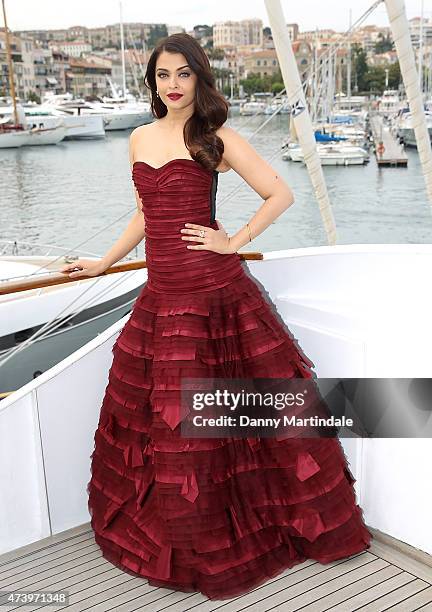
(219, 515)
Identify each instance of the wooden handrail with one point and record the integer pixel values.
(13, 286)
(5, 394)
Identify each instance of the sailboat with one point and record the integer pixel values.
(13, 135)
(123, 111)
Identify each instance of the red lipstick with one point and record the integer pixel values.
(174, 96)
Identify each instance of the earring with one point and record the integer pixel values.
(157, 93)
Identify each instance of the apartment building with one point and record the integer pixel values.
(231, 34)
(74, 48)
(265, 63)
(88, 77)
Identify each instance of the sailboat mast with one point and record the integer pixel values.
(122, 50)
(404, 49)
(349, 63)
(10, 64)
(420, 62)
(300, 113)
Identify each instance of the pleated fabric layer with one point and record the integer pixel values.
(219, 516)
(177, 193)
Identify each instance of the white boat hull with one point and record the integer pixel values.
(330, 160)
(45, 136)
(13, 140)
(83, 127)
(407, 135)
(122, 121)
(352, 156)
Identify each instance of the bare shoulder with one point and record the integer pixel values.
(225, 134)
(235, 146)
(139, 132)
(245, 160)
(138, 136)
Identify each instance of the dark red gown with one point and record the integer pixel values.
(219, 516)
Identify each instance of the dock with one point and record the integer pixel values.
(393, 153)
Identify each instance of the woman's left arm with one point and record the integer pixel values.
(263, 179)
(277, 195)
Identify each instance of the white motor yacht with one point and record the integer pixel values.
(404, 129)
(389, 102)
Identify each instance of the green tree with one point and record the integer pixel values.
(395, 77)
(33, 97)
(252, 83)
(271, 83)
(374, 79)
(383, 44)
(277, 86)
(360, 67)
(156, 33)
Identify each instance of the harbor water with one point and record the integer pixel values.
(64, 194)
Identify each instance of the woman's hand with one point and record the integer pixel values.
(88, 267)
(213, 240)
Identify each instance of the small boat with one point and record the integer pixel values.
(14, 131)
(281, 106)
(253, 108)
(334, 155)
(353, 133)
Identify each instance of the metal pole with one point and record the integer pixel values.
(402, 39)
(122, 50)
(349, 65)
(10, 64)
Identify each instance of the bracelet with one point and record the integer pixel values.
(250, 237)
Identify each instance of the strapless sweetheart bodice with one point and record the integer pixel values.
(181, 191)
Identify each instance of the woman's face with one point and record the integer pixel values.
(173, 76)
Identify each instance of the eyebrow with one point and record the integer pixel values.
(185, 66)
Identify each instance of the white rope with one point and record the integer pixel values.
(105, 227)
(53, 324)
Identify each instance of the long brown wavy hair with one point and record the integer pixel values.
(210, 106)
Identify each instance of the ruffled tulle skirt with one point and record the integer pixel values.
(219, 516)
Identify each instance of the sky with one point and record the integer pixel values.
(308, 14)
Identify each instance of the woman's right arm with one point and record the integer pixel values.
(131, 237)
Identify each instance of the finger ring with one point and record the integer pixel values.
(202, 233)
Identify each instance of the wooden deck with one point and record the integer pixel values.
(394, 154)
(381, 578)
